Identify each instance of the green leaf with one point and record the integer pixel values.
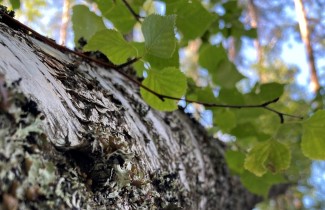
(210, 56)
(224, 118)
(313, 138)
(113, 45)
(160, 63)
(192, 18)
(222, 71)
(116, 12)
(226, 74)
(266, 156)
(169, 81)
(158, 32)
(231, 96)
(15, 4)
(265, 92)
(231, 6)
(235, 161)
(204, 95)
(260, 185)
(248, 129)
(251, 33)
(139, 67)
(85, 23)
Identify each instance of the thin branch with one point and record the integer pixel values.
(135, 15)
(17, 25)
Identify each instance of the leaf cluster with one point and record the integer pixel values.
(259, 156)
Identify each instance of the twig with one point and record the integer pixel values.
(135, 15)
(17, 25)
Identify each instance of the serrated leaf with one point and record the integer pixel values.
(266, 156)
(159, 36)
(187, 17)
(235, 161)
(139, 66)
(313, 138)
(113, 45)
(169, 81)
(116, 12)
(85, 23)
(260, 185)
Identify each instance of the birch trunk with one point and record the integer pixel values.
(305, 36)
(254, 22)
(74, 135)
(65, 21)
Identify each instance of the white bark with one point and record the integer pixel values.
(123, 154)
(305, 36)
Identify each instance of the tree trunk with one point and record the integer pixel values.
(254, 22)
(305, 35)
(65, 20)
(74, 135)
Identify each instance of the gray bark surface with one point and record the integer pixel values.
(74, 135)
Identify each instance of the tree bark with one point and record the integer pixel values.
(305, 35)
(74, 135)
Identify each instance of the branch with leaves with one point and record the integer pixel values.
(113, 34)
(165, 84)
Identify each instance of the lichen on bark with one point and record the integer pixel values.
(98, 145)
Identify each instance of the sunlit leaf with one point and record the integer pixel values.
(169, 81)
(313, 138)
(113, 45)
(85, 23)
(116, 12)
(187, 17)
(159, 36)
(266, 156)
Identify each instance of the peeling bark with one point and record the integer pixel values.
(100, 146)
